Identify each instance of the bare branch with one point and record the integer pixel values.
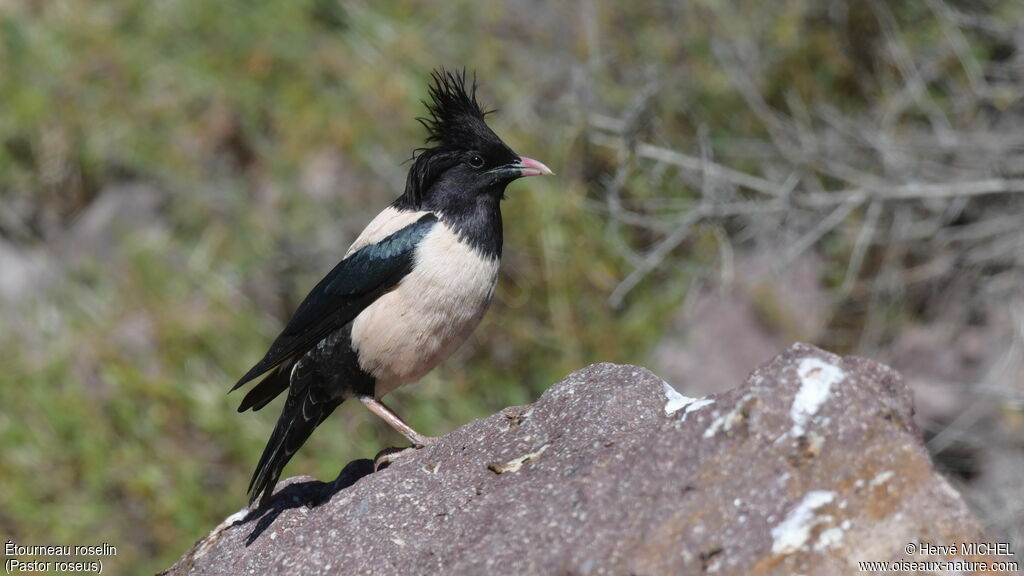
(709, 169)
(860, 247)
(653, 259)
(824, 227)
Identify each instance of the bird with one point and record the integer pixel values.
(407, 293)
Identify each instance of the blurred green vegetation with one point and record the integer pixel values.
(115, 424)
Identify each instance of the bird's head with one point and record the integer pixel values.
(465, 161)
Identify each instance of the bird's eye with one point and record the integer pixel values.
(476, 161)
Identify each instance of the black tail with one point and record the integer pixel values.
(309, 403)
(268, 388)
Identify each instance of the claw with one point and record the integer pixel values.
(387, 456)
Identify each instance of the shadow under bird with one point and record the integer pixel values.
(408, 292)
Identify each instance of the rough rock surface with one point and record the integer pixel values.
(810, 467)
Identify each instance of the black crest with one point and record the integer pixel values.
(456, 118)
(456, 123)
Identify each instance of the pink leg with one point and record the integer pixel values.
(388, 415)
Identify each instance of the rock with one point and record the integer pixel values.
(810, 467)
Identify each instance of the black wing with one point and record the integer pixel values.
(345, 292)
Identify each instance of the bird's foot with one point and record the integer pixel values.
(420, 441)
(387, 456)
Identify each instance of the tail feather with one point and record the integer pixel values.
(308, 405)
(273, 384)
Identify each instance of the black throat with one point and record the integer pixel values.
(478, 224)
(476, 220)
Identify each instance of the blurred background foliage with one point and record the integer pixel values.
(175, 175)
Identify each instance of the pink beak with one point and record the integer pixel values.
(531, 167)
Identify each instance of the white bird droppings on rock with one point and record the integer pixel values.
(204, 545)
(793, 531)
(240, 515)
(732, 418)
(816, 380)
(882, 478)
(517, 463)
(700, 403)
(828, 539)
(676, 401)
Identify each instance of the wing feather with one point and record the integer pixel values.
(355, 283)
